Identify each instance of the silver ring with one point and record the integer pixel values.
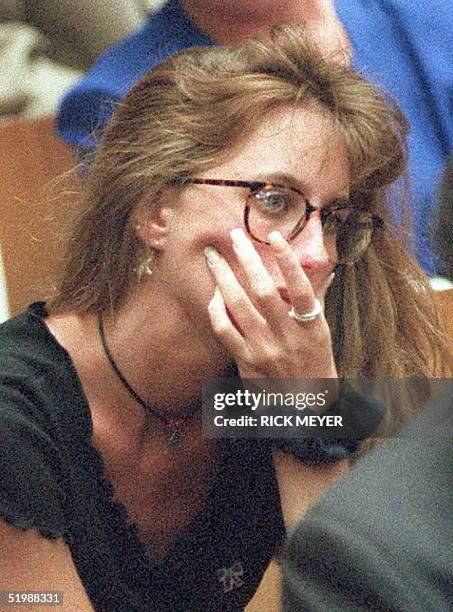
(305, 317)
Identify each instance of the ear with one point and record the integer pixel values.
(152, 225)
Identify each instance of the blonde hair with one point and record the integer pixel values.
(185, 116)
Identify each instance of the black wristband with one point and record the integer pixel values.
(361, 417)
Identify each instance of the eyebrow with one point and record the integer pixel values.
(290, 180)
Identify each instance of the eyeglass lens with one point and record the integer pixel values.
(347, 231)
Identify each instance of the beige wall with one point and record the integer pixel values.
(31, 160)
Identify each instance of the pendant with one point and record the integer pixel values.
(175, 442)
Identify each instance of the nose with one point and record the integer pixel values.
(310, 246)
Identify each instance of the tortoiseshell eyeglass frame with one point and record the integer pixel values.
(256, 186)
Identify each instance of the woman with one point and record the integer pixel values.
(234, 193)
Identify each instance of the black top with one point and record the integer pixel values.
(52, 479)
(381, 539)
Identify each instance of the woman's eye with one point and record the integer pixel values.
(273, 202)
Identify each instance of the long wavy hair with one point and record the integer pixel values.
(186, 115)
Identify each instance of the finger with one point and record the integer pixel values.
(262, 287)
(299, 288)
(326, 285)
(224, 328)
(237, 301)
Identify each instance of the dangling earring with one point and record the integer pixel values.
(147, 257)
(145, 267)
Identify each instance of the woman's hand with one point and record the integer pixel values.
(264, 340)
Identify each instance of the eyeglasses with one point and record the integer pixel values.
(347, 229)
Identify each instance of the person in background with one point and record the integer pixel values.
(180, 24)
(401, 45)
(235, 220)
(381, 539)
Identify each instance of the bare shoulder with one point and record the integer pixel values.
(30, 562)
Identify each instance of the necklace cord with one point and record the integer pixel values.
(171, 421)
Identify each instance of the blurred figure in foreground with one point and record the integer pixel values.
(380, 540)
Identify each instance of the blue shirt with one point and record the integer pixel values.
(406, 48)
(88, 106)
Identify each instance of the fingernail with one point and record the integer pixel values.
(212, 255)
(330, 279)
(276, 240)
(216, 298)
(239, 237)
